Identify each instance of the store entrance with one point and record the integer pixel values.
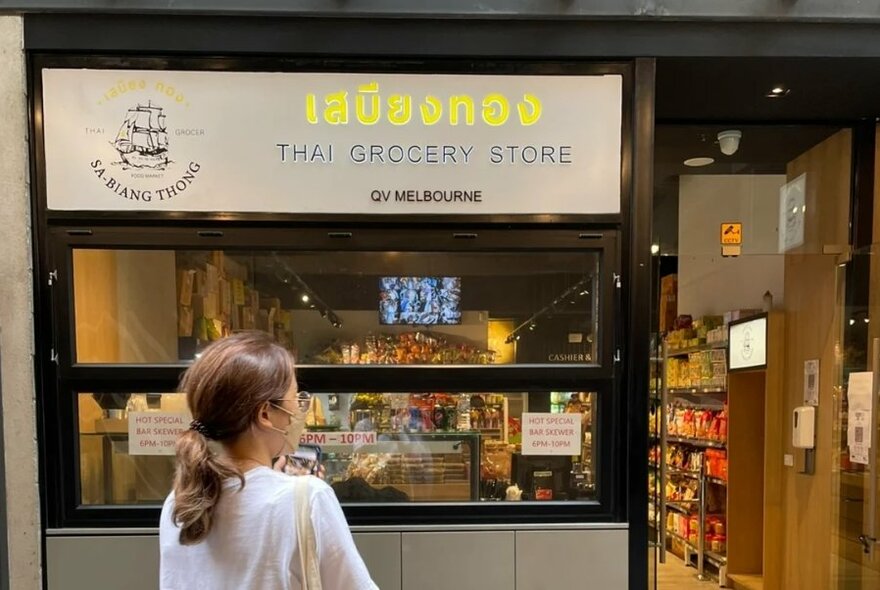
(762, 467)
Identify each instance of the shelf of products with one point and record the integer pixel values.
(692, 452)
(410, 348)
(716, 558)
(709, 444)
(486, 422)
(697, 390)
(677, 352)
(679, 507)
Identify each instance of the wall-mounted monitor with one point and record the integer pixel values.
(420, 301)
(747, 344)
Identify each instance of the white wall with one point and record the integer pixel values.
(709, 283)
(17, 318)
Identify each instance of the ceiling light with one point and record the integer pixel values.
(699, 162)
(305, 298)
(852, 322)
(778, 91)
(655, 248)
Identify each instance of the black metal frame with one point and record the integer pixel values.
(75, 377)
(762, 367)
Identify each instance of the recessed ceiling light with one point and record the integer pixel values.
(778, 91)
(655, 248)
(698, 162)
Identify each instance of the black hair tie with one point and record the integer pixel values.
(202, 429)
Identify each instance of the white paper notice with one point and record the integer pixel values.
(551, 434)
(860, 417)
(338, 439)
(155, 433)
(811, 382)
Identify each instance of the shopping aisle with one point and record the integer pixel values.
(673, 575)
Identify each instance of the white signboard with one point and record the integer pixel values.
(748, 344)
(155, 433)
(792, 212)
(551, 434)
(860, 414)
(118, 140)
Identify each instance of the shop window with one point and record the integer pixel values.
(375, 447)
(112, 470)
(340, 308)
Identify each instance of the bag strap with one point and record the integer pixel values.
(305, 536)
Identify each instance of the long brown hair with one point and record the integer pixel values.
(225, 388)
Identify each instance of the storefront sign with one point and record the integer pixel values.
(331, 143)
(551, 434)
(155, 433)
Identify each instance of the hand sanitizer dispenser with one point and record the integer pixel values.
(804, 428)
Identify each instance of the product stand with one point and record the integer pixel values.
(700, 552)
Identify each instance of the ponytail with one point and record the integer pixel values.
(225, 388)
(197, 485)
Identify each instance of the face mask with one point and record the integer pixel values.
(294, 429)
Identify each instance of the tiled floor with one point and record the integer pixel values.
(673, 575)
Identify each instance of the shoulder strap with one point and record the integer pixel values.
(305, 536)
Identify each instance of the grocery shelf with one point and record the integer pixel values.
(678, 537)
(677, 507)
(674, 352)
(696, 442)
(696, 390)
(683, 473)
(716, 481)
(716, 558)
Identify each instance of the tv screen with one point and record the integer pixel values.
(420, 301)
(747, 342)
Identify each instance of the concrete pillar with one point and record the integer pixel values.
(16, 316)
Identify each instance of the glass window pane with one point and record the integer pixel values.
(378, 308)
(112, 470)
(375, 447)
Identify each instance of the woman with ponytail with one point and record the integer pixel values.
(234, 520)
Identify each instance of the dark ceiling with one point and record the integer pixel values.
(697, 98)
(826, 89)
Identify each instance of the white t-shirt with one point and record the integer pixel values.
(252, 544)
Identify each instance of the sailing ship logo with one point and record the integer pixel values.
(142, 140)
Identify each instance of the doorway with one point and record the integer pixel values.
(773, 152)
